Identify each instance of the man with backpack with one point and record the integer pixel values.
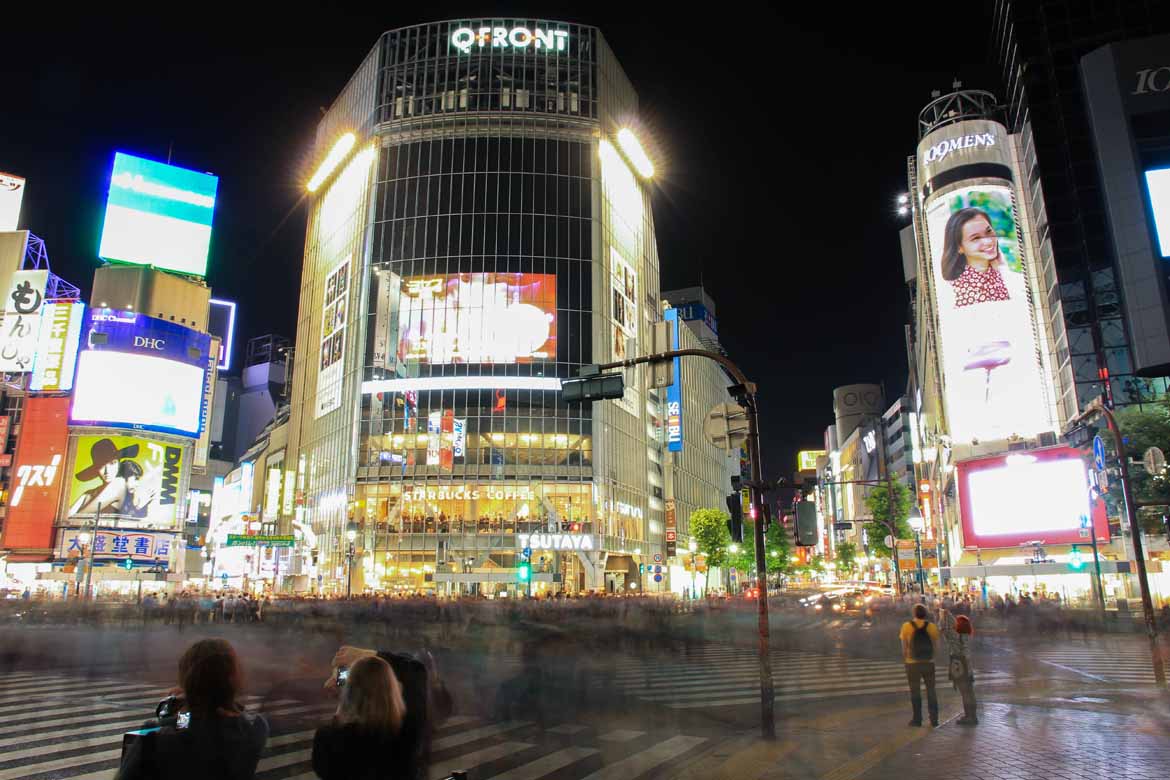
(919, 637)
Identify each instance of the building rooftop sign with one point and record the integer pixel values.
(465, 38)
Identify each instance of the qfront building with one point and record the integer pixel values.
(479, 228)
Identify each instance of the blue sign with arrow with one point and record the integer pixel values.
(1098, 453)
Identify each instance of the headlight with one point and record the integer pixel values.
(817, 607)
(836, 607)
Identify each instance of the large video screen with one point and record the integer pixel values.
(478, 318)
(1158, 185)
(140, 372)
(126, 478)
(1036, 495)
(158, 215)
(992, 381)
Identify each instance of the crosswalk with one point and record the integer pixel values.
(1125, 664)
(53, 725)
(723, 676)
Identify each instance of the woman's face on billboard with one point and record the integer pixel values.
(980, 244)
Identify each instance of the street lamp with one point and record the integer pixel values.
(918, 524)
(351, 535)
(693, 547)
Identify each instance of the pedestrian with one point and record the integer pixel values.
(362, 741)
(958, 631)
(919, 637)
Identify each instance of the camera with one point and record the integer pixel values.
(167, 710)
(342, 675)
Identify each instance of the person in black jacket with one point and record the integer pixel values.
(362, 742)
(220, 740)
(412, 744)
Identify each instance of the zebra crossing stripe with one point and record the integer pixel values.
(785, 697)
(644, 761)
(463, 738)
(116, 727)
(13, 773)
(534, 770)
(71, 690)
(621, 735)
(475, 758)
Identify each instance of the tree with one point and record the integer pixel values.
(709, 530)
(884, 522)
(777, 548)
(1141, 429)
(846, 556)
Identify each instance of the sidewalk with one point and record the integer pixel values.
(1052, 740)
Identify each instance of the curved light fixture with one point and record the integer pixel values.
(338, 153)
(634, 152)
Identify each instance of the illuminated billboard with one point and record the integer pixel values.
(221, 323)
(806, 460)
(133, 480)
(335, 315)
(477, 318)
(1027, 496)
(158, 215)
(38, 474)
(21, 327)
(993, 385)
(1158, 187)
(11, 195)
(56, 355)
(140, 372)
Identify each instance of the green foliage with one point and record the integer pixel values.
(1141, 429)
(709, 530)
(777, 548)
(878, 502)
(846, 557)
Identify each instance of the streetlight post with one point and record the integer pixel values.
(692, 546)
(350, 535)
(93, 543)
(918, 524)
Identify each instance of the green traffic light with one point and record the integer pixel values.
(1075, 561)
(524, 572)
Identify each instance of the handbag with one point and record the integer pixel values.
(958, 669)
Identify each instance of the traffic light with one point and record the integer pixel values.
(593, 388)
(806, 524)
(1075, 561)
(735, 521)
(128, 564)
(641, 568)
(524, 572)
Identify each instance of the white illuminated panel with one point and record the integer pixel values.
(461, 383)
(123, 388)
(635, 153)
(1028, 497)
(228, 339)
(1158, 183)
(340, 149)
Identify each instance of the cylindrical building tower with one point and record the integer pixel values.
(479, 228)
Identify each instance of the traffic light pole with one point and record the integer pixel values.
(744, 393)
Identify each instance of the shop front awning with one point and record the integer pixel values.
(21, 557)
(1033, 569)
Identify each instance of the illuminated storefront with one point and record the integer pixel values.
(472, 242)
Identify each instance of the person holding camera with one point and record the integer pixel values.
(363, 742)
(212, 736)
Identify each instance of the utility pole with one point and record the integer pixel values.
(92, 543)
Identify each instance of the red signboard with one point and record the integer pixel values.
(1028, 496)
(35, 484)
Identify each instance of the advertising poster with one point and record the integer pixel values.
(158, 215)
(140, 372)
(1030, 495)
(56, 356)
(434, 422)
(11, 195)
(478, 318)
(459, 445)
(126, 478)
(36, 481)
(333, 320)
(20, 329)
(674, 423)
(203, 444)
(118, 545)
(992, 381)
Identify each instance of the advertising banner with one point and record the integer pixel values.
(434, 422)
(118, 545)
(806, 460)
(459, 446)
(158, 215)
(21, 327)
(1032, 495)
(210, 377)
(674, 423)
(993, 386)
(141, 372)
(478, 318)
(127, 478)
(671, 528)
(333, 320)
(240, 540)
(36, 482)
(56, 355)
(11, 195)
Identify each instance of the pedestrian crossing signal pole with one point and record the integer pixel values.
(592, 385)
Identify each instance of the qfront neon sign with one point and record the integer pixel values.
(465, 38)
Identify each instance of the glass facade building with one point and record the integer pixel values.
(484, 236)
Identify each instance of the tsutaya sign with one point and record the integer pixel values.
(554, 541)
(465, 38)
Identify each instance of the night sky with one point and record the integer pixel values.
(780, 142)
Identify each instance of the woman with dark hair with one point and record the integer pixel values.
(971, 260)
(363, 740)
(219, 739)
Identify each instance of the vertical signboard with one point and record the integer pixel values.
(434, 423)
(674, 423)
(36, 482)
(203, 443)
(56, 354)
(671, 528)
(11, 195)
(334, 314)
(21, 327)
(459, 444)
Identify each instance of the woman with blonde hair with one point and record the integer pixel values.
(362, 741)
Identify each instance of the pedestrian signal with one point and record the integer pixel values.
(128, 564)
(1075, 561)
(524, 573)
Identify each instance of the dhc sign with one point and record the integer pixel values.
(465, 38)
(555, 541)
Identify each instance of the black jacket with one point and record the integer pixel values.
(415, 735)
(351, 753)
(220, 747)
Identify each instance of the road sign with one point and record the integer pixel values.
(726, 427)
(224, 576)
(526, 552)
(658, 578)
(1154, 461)
(1098, 453)
(657, 569)
(889, 540)
(658, 557)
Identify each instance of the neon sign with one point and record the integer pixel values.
(465, 38)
